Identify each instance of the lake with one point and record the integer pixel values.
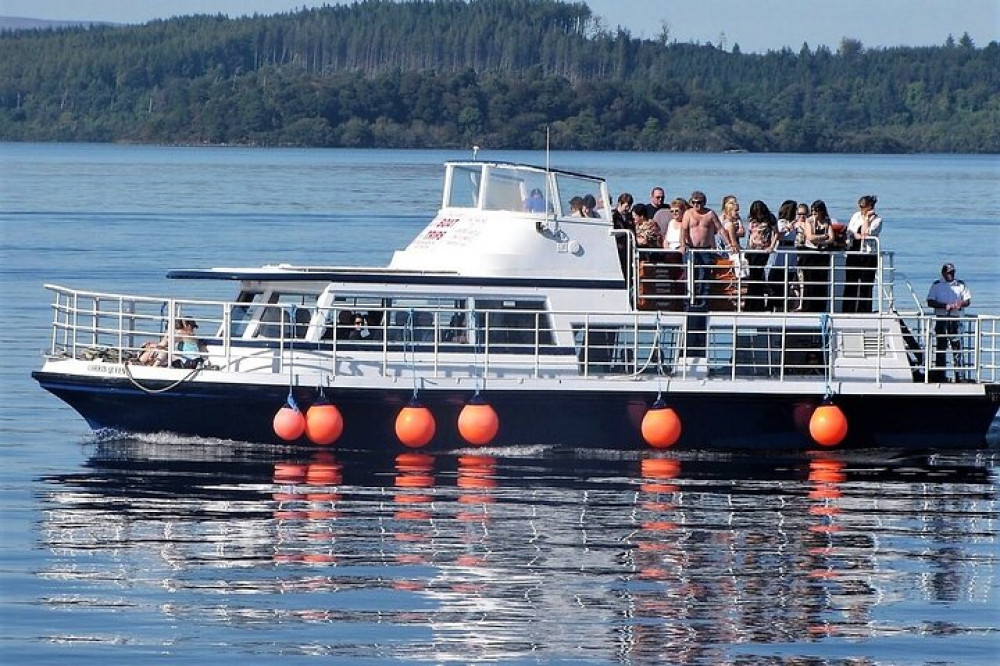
(195, 551)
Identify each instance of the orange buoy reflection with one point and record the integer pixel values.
(477, 481)
(414, 472)
(656, 549)
(657, 470)
(306, 510)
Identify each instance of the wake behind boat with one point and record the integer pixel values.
(509, 301)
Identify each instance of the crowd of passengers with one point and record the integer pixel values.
(769, 251)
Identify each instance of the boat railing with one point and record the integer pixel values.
(274, 338)
(784, 280)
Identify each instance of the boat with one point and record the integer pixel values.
(510, 320)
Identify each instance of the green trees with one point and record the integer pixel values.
(442, 73)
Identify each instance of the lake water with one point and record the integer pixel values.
(200, 551)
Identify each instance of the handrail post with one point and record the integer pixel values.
(55, 325)
(227, 330)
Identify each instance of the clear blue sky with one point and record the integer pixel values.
(756, 25)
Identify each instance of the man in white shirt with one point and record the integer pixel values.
(948, 296)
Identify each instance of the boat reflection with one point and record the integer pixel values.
(499, 554)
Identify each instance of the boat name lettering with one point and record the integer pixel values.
(447, 222)
(106, 368)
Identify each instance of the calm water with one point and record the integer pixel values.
(203, 551)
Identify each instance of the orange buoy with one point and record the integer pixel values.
(478, 422)
(324, 424)
(661, 426)
(828, 425)
(289, 424)
(415, 425)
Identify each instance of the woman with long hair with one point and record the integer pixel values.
(862, 261)
(819, 238)
(783, 277)
(763, 239)
(729, 215)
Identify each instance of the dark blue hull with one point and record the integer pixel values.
(601, 419)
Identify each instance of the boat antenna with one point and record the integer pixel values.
(548, 130)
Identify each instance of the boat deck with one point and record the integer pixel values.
(272, 339)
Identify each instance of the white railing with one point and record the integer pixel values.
(786, 280)
(255, 337)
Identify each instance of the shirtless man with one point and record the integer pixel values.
(700, 226)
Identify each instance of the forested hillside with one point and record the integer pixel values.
(449, 73)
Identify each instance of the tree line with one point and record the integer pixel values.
(451, 73)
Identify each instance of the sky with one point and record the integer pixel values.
(756, 25)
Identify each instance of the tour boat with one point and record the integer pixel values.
(512, 320)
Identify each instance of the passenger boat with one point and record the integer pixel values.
(547, 328)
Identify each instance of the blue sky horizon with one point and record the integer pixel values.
(756, 27)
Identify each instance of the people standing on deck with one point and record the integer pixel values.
(782, 279)
(948, 296)
(861, 265)
(621, 219)
(675, 241)
(763, 239)
(729, 214)
(647, 234)
(815, 264)
(657, 200)
(672, 228)
(701, 226)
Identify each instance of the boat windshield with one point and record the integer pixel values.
(516, 188)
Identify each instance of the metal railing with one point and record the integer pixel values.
(267, 338)
(786, 280)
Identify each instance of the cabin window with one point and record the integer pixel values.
(243, 312)
(571, 187)
(803, 353)
(424, 320)
(760, 351)
(616, 349)
(517, 192)
(420, 320)
(286, 315)
(464, 192)
(359, 318)
(518, 324)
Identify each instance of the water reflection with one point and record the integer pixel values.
(534, 555)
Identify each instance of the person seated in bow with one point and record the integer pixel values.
(191, 350)
(155, 353)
